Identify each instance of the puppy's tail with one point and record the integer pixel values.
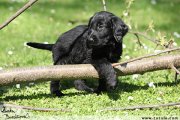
(41, 46)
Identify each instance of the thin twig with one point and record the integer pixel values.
(140, 107)
(146, 56)
(176, 70)
(176, 73)
(33, 108)
(26, 6)
(139, 42)
(145, 36)
(104, 5)
(176, 77)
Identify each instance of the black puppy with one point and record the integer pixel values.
(99, 43)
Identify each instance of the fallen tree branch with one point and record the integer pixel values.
(147, 56)
(26, 6)
(4, 105)
(85, 71)
(140, 107)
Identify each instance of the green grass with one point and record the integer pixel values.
(46, 20)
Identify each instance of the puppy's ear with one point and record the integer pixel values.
(119, 28)
(90, 21)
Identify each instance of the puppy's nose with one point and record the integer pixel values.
(91, 39)
(119, 37)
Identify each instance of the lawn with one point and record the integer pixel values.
(47, 19)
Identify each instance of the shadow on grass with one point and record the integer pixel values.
(115, 95)
(4, 90)
(38, 96)
(29, 97)
(126, 87)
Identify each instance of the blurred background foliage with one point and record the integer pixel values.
(47, 19)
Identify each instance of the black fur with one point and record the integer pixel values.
(99, 43)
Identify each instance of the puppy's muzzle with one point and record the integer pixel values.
(118, 38)
(90, 34)
(92, 39)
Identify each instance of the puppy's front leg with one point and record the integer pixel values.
(107, 74)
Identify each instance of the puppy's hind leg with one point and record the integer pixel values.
(80, 85)
(55, 85)
(54, 88)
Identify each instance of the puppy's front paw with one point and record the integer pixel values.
(97, 92)
(112, 86)
(57, 93)
(100, 90)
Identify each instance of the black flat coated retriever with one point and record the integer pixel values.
(99, 43)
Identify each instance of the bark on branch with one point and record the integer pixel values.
(85, 71)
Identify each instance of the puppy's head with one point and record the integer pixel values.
(105, 28)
